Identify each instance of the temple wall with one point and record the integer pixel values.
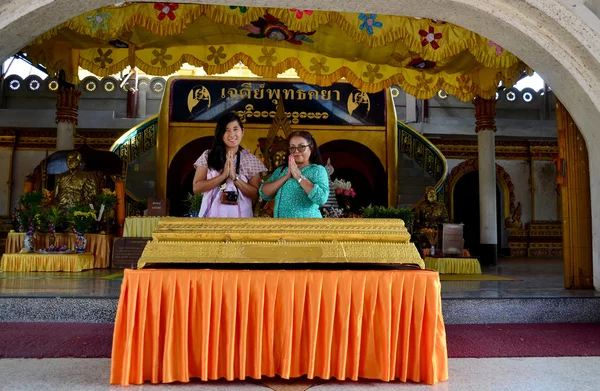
(545, 196)
(24, 163)
(5, 157)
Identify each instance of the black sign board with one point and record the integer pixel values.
(255, 101)
(127, 251)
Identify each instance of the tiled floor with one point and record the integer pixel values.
(531, 278)
(466, 374)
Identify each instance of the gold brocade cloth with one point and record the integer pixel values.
(98, 245)
(46, 262)
(173, 325)
(453, 265)
(140, 227)
(371, 51)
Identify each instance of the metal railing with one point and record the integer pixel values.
(426, 155)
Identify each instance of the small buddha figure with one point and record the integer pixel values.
(75, 187)
(277, 159)
(431, 213)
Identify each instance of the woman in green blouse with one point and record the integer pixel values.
(300, 185)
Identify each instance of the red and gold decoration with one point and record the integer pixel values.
(67, 104)
(485, 113)
(372, 51)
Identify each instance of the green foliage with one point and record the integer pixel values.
(30, 207)
(31, 200)
(57, 217)
(382, 212)
(194, 202)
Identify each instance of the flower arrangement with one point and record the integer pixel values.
(48, 196)
(82, 221)
(431, 234)
(343, 188)
(62, 249)
(30, 206)
(57, 221)
(332, 213)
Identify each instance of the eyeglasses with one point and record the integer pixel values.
(300, 148)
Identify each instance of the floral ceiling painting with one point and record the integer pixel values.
(371, 51)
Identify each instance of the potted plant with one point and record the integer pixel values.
(194, 202)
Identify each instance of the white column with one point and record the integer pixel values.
(65, 136)
(487, 192)
(411, 109)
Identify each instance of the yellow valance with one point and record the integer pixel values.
(372, 51)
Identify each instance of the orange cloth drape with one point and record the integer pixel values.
(99, 245)
(173, 325)
(46, 263)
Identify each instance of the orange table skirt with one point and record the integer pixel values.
(32, 262)
(99, 245)
(173, 325)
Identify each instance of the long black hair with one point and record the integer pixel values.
(216, 156)
(315, 155)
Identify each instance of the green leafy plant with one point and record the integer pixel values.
(57, 218)
(194, 202)
(382, 212)
(30, 207)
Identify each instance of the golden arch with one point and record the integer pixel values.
(502, 177)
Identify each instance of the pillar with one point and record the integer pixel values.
(67, 104)
(485, 127)
(574, 182)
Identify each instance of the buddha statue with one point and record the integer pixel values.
(76, 187)
(431, 213)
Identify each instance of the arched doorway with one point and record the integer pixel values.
(180, 175)
(505, 198)
(466, 196)
(356, 163)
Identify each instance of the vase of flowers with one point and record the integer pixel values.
(29, 241)
(106, 202)
(82, 222)
(344, 193)
(80, 242)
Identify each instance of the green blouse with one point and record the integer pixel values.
(292, 201)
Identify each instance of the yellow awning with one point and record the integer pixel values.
(371, 51)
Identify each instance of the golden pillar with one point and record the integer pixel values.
(574, 181)
(67, 104)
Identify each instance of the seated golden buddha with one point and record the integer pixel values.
(76, 187)
(431, 213)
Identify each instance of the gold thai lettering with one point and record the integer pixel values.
(259, 93)
(232, 92)
(274, 93)
(246, 90)
(223, 93)
(337, 94)
(326, 94)
(289, 93)
(312, 94)
(301, 95)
